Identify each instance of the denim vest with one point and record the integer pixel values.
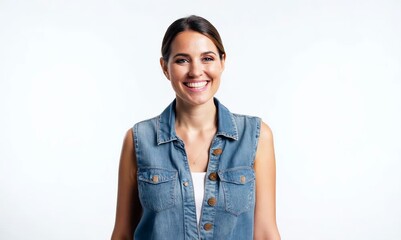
(165, 184)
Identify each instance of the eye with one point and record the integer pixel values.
(181, 60)
(208, 59)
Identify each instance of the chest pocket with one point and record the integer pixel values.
(156, 188)
(239, 189)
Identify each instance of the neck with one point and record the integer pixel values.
(196, 118)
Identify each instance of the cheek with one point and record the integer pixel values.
(176, 73)
(215, 70)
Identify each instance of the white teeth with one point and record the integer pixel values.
(196, 84)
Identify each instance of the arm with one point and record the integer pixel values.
(128, 206)
(265, 169)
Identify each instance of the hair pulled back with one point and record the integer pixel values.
(194, 23)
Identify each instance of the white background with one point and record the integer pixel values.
(325, 75)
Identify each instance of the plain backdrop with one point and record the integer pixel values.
(325, 75)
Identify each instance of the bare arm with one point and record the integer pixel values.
(128, 206)
(265, 169)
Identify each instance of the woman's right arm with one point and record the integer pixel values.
(129, 209)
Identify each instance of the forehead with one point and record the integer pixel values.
(192, 42)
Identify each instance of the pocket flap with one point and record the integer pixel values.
(156, 175)
(237, 175)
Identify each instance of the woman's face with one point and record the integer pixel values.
(194, 68)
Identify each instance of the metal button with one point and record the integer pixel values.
(208, 226)
(213, 176)
(243, 179)
(155, 179)
(217, 151)
(186, 184)
(212, 201)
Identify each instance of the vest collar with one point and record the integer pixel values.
(226, 125)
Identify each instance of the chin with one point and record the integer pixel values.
(195, 101)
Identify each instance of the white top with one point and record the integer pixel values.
(198, 179)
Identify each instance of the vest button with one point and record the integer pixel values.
(186, 184)
(213, 176)
(217, 151)
(243, 179)
(212, 201)
(155, 179)
(208, 226)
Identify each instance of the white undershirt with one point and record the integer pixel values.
(198, 179)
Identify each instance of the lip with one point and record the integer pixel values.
(194, 83)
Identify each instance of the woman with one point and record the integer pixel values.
(196, 171)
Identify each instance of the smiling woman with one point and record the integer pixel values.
(196, 171)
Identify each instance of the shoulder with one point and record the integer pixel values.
(265, 158)
(128, 143)
(146, 124)
(244, 116)
(251, 123)
(266, 134)
(265, 145)
(129, 137)
(246, 120)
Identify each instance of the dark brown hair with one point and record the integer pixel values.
(194, 23)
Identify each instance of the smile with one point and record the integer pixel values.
(196, 85)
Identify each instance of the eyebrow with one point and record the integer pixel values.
(187, 55)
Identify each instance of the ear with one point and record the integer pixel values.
(163, 64)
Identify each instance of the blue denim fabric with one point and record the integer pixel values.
(165, 183)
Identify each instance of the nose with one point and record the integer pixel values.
(195, 69)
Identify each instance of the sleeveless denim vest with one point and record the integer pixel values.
(165, 185)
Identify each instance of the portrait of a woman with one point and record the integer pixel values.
(196, 171)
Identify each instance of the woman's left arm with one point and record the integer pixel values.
(265, 170)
